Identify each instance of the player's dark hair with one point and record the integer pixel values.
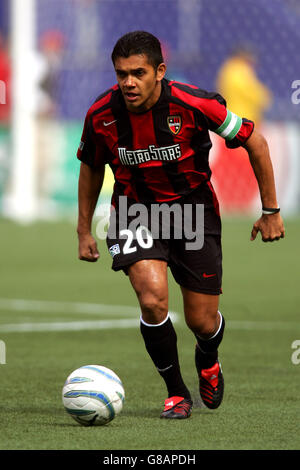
(139, 42)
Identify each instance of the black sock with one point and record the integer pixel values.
(161, 344)
(207, 349)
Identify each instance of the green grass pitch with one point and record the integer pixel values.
(260, 301)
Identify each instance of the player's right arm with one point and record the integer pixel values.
(91, 153)
(89, 186)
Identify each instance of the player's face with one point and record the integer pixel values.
(139, 82)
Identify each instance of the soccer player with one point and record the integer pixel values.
(154, 134)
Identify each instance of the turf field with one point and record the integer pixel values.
(58, 313)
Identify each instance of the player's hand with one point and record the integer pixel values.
(88, 250)
(270, 226)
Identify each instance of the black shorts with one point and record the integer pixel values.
(196, 263)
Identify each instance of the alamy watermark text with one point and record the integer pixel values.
(296, 94)
(157, 221)
(2, 352)
(2, 92)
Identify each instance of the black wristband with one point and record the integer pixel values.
(268, 210)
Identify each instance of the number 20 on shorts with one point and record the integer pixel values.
(143, 237)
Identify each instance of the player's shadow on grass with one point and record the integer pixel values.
(150, 413)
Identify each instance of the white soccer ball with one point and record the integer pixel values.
(93, 395)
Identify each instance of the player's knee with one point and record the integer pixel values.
(203, 323)
(154, 307)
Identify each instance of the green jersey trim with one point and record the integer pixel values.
(230, 127)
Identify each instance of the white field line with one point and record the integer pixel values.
(41, 306)
(51, 306)
(133, 323)
(45, 306)
(69, 326)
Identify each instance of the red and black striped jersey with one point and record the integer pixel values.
(162, 154)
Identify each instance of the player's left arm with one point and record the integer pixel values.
(270, 225)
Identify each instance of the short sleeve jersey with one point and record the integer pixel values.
(162, 154)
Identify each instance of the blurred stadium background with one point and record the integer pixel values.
(55, 60)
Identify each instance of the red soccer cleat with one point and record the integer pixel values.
(177, 408)
(211, 385)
